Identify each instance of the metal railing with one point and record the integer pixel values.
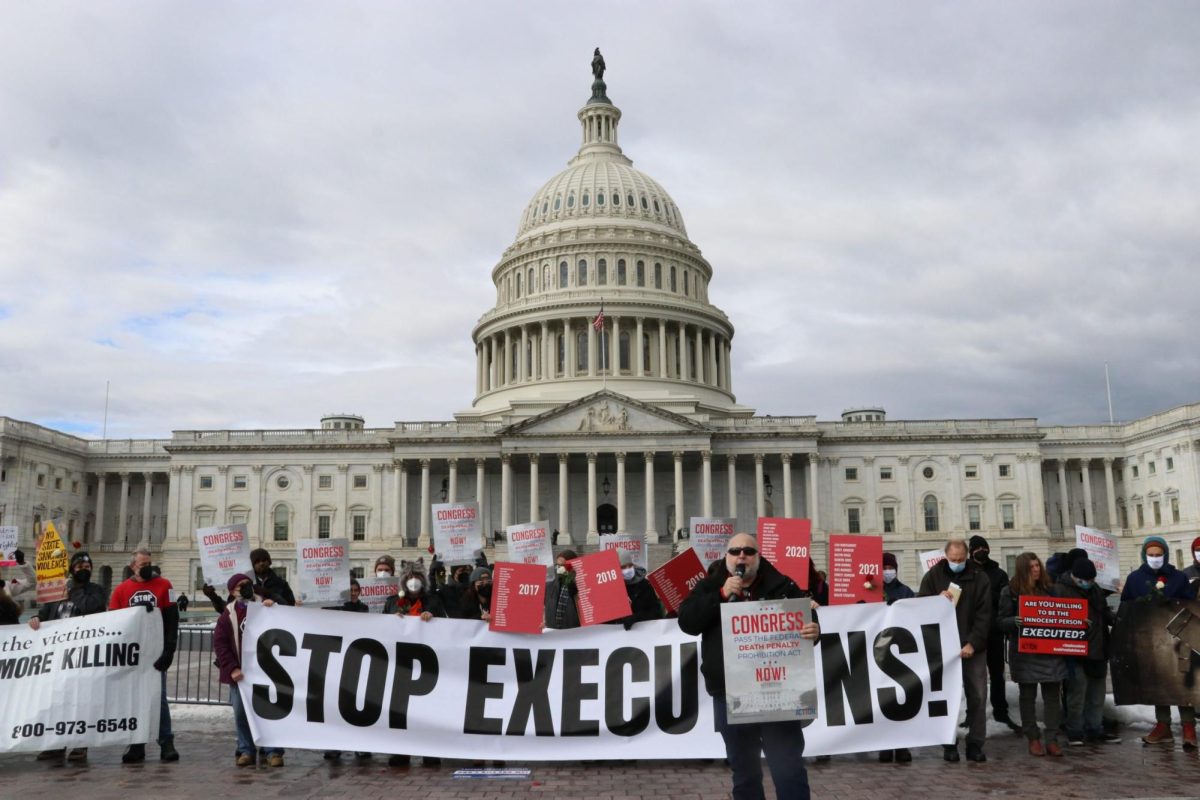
(194, 677)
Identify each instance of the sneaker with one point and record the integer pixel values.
(77, 754)
(1160, 733)
(886, 756)
(244, 760)
(51, 755)
(275, 760)
(134, 754)
(1053, 750)
(1035, 748)
(1189, 735)
(167, 752)
(903, 756)
(399, 761)
(1075, 739)
(950, 753)
(975, 753)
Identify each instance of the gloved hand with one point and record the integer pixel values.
(163, 663)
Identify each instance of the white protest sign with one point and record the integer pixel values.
(709, 535)
(8, 545)
(81, 682)
(374, 592)
(769, 668)
(1104, 552)
(633, 544)
(323, 570)
(530, 544)
(224, 552)
(457, 532)
(930, 558)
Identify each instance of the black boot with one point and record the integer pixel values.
(975, 753)
(950, 752)
(903, 756)
(167, 751)
(134, 754)
(886, 756)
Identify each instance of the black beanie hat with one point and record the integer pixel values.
(259, 554)
(1084, 569)
(889, 560)
(976, 542)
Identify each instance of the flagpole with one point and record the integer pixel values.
(1108, 391)
(603, 349)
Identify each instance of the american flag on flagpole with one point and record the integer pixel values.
(598, 322)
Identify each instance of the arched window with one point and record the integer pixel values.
(930, 506)
(656, 208)
(282, 522)
(570, 201)
(641, 273)
(545, 204)
(518, 284)
(529, 284)
(674, 285)
(581, 351)
(623, 353)
(602, 272)
(687, 283)
(581, 273)
(620, 272)
(629, 200)
(562, 275)
(599, 198)
(657, 275)
(557, 202)
(645, 205)
(546, 277)
(587, 200)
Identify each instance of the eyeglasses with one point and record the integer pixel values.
(743, 551)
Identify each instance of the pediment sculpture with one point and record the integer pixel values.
(600, 418)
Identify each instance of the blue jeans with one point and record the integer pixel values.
(165, 734)
(783, 744)
(1085, 699)
(241, 725)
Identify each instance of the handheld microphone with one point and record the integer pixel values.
(740, 571)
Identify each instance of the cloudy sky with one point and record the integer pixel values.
(246, 215)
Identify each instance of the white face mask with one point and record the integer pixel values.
(561, 569)
(413, 585)
(889, 575)
(1155, 562)
(629, 572)
(382, 573)
(1196, 554)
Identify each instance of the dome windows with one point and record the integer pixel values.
(629, 200)
(657, 210)
(587, 200)
(616, 198)
(620, 272)
(599, 198)
(562, 275)
(545, 206)
(602, 272)
(518, 284)
(641, 273)
(645, 205)
(581, 277)
(570, 201)
(657, 275)
(557, 202)
(674, 285)
(686, 284)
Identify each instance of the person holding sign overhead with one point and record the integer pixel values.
(743, 576)
(964, 583)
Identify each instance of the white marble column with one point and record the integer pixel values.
(813, 500)
(706, 494)
(568, 349)
(148, 484)
(172, 531)
(547, 368)
(662, 349)
(956, 520)
(591, 346)
(493, 367)
(564, 519)
(506, 367)
(786, 458)
(621, 517)
(480, 481)
(375, 528)
(712, 359)
(760, 500)
(731, 468)
(651, 532)
(505, 491)
(401, 529)
(698, 357)
(681, 347)
(452, 480)
(534, 500)
(423, 530)
(728, 367)
(343, 489)
(123, 511)
(1064, 496)
(1088, 508)
(614, 349)
(1110, 495)
(640, 358)
(522, 358)
(680, 520)
(593, 533)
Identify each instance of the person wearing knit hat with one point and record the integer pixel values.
(980, 552)
(477, 600)
(1087, 675)
(267, 583)
(1157, 578)
(1192, 572)
(385, 566)
(893, 590)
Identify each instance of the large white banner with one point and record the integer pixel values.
(888, 676)
(80, 682)
(457, 532)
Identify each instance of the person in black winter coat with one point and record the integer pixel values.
(561, 612)
(643, 602)
(700, 615)
(477, 600)
(267, 584)
(10, 612)
(998, 579)
(1087, 675)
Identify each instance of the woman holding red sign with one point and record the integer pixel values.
(1030, 670)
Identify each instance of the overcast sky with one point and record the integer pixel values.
(246, 215)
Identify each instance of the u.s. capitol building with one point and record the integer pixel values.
(632, 424)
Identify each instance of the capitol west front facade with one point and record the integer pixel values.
(634, 427)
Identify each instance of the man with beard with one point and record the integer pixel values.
(998, 579)
(267, 583)
(146, 588)
(83, 598)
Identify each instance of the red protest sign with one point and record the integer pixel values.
(674, 580)
(518, 598)
(1053, 626)
(855, 569)
(785, 543)
(602, 596)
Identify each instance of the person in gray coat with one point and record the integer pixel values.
(1031, 670)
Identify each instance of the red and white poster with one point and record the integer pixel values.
(457, 532)
(709, 536)
(855, 569)
(1103, 552)
(374, 592)
(674, 580)
(602, 596)
(930, 559)
(786, 544)
(224, 552)
(627, 545)
(1054, 626)
(530, 543)
(518, 598)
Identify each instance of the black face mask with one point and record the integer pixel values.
(462, 577)
(981, 556)
(146, 572)
(82, 576)
(246, 591)
(485, 590)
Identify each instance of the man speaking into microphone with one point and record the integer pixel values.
(744, 576)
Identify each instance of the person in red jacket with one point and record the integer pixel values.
(227, 647)
(145, 588)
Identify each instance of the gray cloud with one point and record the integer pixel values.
(246, 216)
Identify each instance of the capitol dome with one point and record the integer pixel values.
(601, 234)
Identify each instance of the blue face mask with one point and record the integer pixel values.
(1083, 584)
(956, 567)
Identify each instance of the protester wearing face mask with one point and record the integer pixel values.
(893, 590)
(147, 588)
(643, 602)
(997, 579)
(83, 598)
(477, 601)
(227, 647)
(454, 592)
(268, 584)
(561, 612)
(1086, 675)
(973, 612)
(1157, 578)
(1192, 572)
